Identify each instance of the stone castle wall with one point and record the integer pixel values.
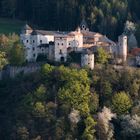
(13, 71)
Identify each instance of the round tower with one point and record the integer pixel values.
(122, 42)
(87, 59)
(25, 38)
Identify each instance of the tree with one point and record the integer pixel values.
(94, 102)
(46, 70)
(74, 116)
(40, 93)
(3, 41)
(130, 126)
(121, 103)
(22, 133)
(76, 95)
(3, 60)
(90, 129)
(130, 27)
(75, 88)
(134, 88)
(102, 56)
(17, 54)
(104, 127)
(39, 109)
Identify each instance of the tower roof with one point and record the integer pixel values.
(27, 27)
(83, 23)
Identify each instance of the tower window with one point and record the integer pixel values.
(27, 41)
(33, 41)
(62, 44)
(40, 41)
(33, 48)
(60, 52)
(58, 44)
(33, 55)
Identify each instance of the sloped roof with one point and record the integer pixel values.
(90, 34)
(83, 23)
(44, 32)
(135, 51)
(27, 27)
(105, 39)
(75, 33)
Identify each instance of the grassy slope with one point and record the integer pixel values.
(9, 26)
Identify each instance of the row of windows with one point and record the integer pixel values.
(59, 44)
(62, 44)
(33, 41)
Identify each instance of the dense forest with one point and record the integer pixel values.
(68, 103)
(105, 16)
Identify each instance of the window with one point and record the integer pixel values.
(33, 41)
(33, 55)
(42, 50)
(69, 44)
(60, 52)
(58, 44)
(62, 44)
(27, 41)
(33, 48)
(40, 41)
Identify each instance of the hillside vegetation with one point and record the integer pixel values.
(61, 103)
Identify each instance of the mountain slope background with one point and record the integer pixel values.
(105, 16)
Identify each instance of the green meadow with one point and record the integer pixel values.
(8, 26)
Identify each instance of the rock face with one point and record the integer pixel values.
(132, 42)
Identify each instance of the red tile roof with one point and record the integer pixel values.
(135, 51)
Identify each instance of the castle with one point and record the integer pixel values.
(56, 45)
